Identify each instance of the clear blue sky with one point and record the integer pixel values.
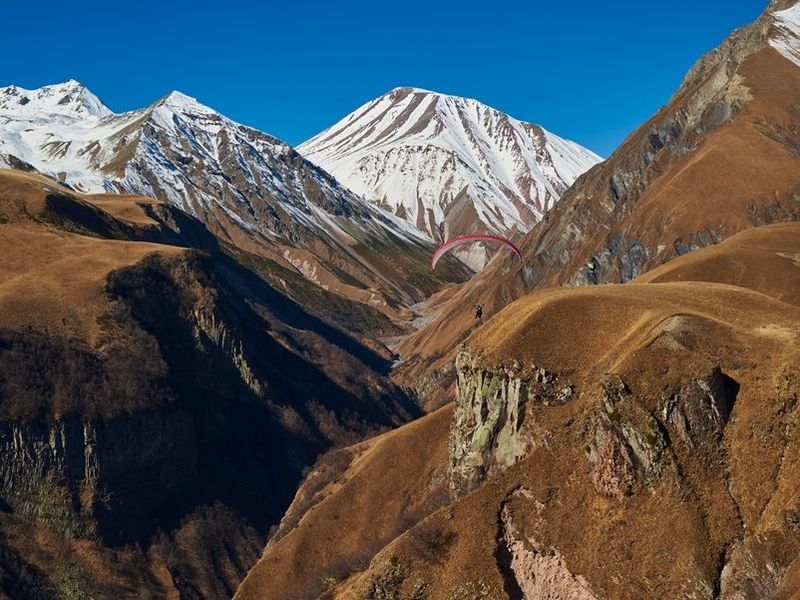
(588, 70)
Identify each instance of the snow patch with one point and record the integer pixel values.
(787, 38)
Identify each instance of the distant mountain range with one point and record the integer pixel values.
(180, 151)
(248, 187)
(215, 369)
(437, 166)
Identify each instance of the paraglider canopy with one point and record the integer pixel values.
(467, 239)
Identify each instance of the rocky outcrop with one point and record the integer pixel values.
(487, 429)
(531, 569)
(631, 447)
(699, 410)
(541, 573)
(387, 580)
(627, 445)
(13, 162)
(619, 254)
(430, 390)
(208, 323)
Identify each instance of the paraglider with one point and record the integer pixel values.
(466, 239)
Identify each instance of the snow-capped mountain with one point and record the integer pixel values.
(246, 185)
(176, 149)
(449, 165)
(70, 99)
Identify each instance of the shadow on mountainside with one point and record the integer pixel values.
(187, 424)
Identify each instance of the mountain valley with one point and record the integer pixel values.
(228, 370)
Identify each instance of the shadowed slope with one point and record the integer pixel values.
(352, 503)
(185, 394)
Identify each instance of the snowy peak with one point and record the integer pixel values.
(182, 115)
(408, 89)
(179, 150)
(181, 103)
(70, 98)
(449, 165)
(247, 187)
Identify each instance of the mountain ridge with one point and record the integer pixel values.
(69, 98)
(249, 187)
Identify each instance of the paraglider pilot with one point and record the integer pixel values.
(479, 312)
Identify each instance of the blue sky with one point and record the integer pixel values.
(588, 70)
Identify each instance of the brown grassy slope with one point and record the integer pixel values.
(129, 207)
(763, 259)
(733, 306)
(566, 328)
(25, 200)
(350, 506)
(679, 182)
(54, 281)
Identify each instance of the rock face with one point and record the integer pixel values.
(447, 165)
(718, 101)
(628, 443)
(97, 479)
(633, 447)
(486, 432)
(699, 411)
(762, 567)
(531, 569)
(628, 446)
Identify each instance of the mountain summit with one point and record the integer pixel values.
(449, 165)
(70, 99)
